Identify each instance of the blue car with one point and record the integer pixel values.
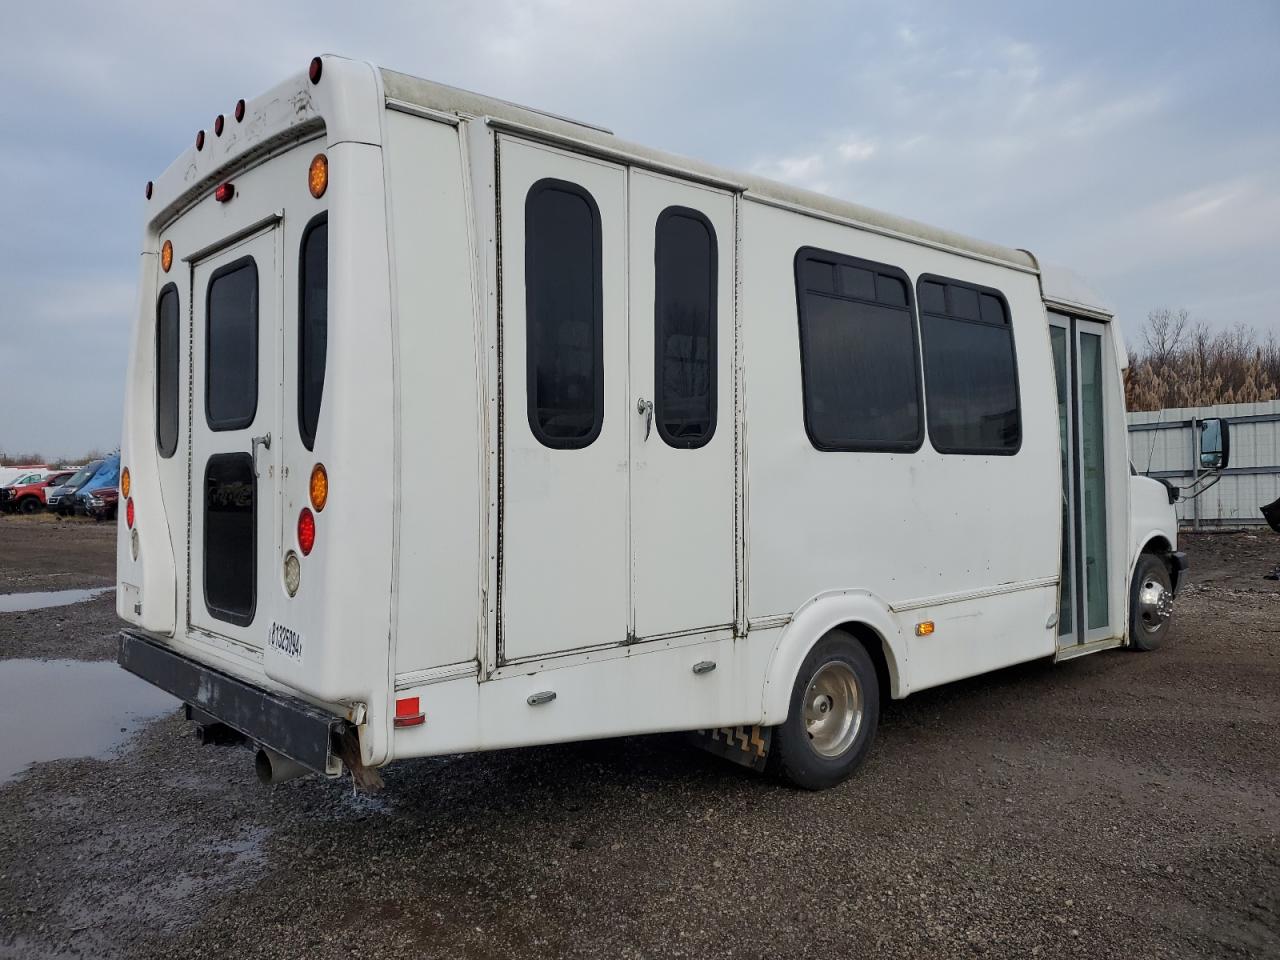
(108, 475)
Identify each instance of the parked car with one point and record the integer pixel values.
(101, 503)
(30, 497)
(107, 475)
(61, 498)
(12, 474)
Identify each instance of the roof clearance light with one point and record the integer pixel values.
(319, 487)
(318, 175)
(150, 186)
(306, 531)
(128, 512)
(200, 140)
(218, 124)
(125, 483)
(166, 256)
(316, 68)
(239, 111)
(225, 192)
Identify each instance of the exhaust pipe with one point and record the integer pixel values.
(274, 768)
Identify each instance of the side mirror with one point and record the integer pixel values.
(1215, 444)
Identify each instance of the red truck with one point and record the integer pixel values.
(29, 497)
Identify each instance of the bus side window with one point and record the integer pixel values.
(859, 356)
(564, 313)
(167, 373)
(970, 371)
(684, 327)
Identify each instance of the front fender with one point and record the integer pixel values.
(810, 623)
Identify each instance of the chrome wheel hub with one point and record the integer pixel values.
(833, 709)
(1155, 605)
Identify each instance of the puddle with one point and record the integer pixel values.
(22, 602)
(55, 709)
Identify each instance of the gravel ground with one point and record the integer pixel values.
(1121, 805)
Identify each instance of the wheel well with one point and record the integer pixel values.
(874, 645)
(1160, 547)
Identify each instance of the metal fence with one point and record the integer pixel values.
(1164, 444)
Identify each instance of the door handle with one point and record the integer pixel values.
(265, 442)
(645, 409)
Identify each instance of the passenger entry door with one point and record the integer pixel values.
(563, 466)
(682, 438)
(234, 417)
(1080, 355)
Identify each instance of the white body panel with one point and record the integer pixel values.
(462, 561)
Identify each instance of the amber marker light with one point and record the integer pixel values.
(318, 175)
(125, 483)
(924, 628)
(319, 487)
(166, 256)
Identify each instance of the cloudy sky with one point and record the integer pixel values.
(1137, 142)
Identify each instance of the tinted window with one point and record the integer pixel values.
(313, 325)
(564, 315)
(969, 370)
(685, 325)
(231, 354)
(167, 358)
(858, 356)
(230, 555)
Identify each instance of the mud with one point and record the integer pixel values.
(1120, 805)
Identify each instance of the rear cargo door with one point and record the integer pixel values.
(235, 469)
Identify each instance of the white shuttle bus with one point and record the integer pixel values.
(453, 425)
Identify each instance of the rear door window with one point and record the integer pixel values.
(230, 532)
(231, 347)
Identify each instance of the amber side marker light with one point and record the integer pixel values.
(318, 175)
(126, 483)
(319, 487)
(924, 628)
(166, 256)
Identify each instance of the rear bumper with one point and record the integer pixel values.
(287, 725)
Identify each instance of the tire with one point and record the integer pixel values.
(29, 505)
(836, 678)
(1150, 604)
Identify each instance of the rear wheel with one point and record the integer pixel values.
(1150, 603)
(29, 504)
(833, 715)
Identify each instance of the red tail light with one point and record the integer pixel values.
(128, 512)
(306, 531)
(224, 192)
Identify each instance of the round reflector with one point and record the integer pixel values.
(218, 124)
(166, 256)
(128, 512)
(318, 175)
(126, 483)
(239, 110)
(133, 543)
(306, 531)
(316, 68)
(319, 487)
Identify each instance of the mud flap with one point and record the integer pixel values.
(746, 746)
